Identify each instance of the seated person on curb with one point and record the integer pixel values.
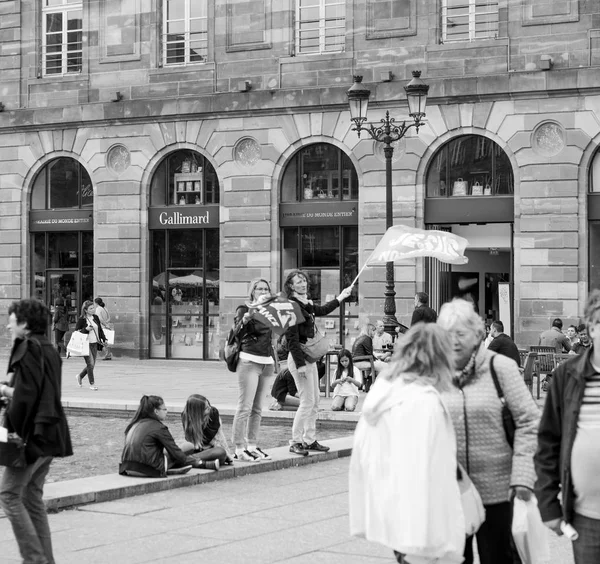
(284, 391)
(203, 432)
(363, 346)
(346, 383)
(150, 450)
(382, 343)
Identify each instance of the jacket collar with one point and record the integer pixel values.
(20, 347)
(581, 367)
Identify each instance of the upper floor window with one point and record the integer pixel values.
(62, 41)
(320, 26)
(185, 32)
(469, 20)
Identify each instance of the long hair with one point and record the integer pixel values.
(340, 369)
(84, 307)
(145, 410)
(194, 418)
(287, 285)
(424, 353)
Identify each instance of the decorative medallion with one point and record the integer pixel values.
(247, 152)
(118, 159)
(399, 150)
(548, 139)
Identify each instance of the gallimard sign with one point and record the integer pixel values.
(183, 217)
(318, 213)
(61, 220)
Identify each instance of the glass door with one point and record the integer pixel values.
(63, 285)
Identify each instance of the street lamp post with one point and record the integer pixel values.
(388, 132)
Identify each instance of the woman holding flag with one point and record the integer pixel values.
(254, 370)
(304, 370)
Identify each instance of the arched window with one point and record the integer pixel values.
(470, 165)
(62, 184)
(594, 222)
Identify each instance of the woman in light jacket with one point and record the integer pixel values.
(104, 318)
(498, 471)
(403, 471)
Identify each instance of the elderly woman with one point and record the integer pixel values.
(416, 508)
(498, 471)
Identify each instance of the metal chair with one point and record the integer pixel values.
(529, 372)
(523, 356)
(546, 361)
(368, 373)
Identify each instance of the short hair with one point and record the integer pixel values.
(424, 354)
(31, 312)
(581, 328)
(84, 307)
(287, 285)
(499, 326)
(591, 312)
(572, 327)
(461, 311)
(423, 298)
(253, 284)
(557, 323)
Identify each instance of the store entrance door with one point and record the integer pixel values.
(63, 284)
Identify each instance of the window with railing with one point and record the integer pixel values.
(320, 26)
(469, 20)
(185, 32)
(62, 36)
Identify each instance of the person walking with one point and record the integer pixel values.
(254, 371)
(90, 324)
(499, 471)
(104, 318)
(403, 489)
(60, 325)
(32, 397)
(304, 371)
(422, 310)
(502, 343)
(567, 460)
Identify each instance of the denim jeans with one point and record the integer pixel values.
(21, 493)
(254, 385)
(586, 548)
(90, 362)
(304, 428)
(339, 403)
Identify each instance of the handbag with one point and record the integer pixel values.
(110, 336)
(316, 347)
(507, 419)
(472, 505)
(231, 352)
(78, 344)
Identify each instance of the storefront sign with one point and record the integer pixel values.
(183, 217)
(61, 220)
(318, 213)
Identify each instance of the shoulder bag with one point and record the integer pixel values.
(232, 349)
(507, 419)
(316, 347)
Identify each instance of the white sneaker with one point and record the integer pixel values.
(245, 456)
(95, 388)
(260, 454)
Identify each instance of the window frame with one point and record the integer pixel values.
(64, 8)
(322, 50)
(473, 17)
(186, 36)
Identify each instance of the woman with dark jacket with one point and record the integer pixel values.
(305, 372)
(60, 324)
(254, 371)
(90, 324)
(150, 450)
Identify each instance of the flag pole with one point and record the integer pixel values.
(359, 273)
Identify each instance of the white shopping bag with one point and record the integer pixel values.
(110, 336)
(529, 532)
(78, 345)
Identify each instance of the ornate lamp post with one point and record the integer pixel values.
(388, 132)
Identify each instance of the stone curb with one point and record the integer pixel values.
(97, 489)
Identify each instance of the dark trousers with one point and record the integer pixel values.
(494, 538)
(586, 548)
(90, 362)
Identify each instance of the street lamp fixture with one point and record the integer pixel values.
(388, 132)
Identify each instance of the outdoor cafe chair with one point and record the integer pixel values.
(529, 372)
(546, 361)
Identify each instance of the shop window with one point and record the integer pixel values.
(469, 20)
(62, 184)
(62, 37)
(320, 26)
(320, 171)
(470, 165)
(185, 32)
(184, 178)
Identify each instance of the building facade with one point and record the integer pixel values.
(162, 153)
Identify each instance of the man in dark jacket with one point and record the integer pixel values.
(422, 310)
(35, 414)
(567, 460)
(502, 343)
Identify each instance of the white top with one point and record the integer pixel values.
(93, 334)
(348, 389)
(256, 358)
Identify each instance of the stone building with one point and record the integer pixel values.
(162, 153)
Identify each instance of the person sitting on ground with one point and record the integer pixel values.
(203, 431)
(284, 391)
(346, 383)
(584, 343)
(382, 343)
(502, 343)
(150, 450)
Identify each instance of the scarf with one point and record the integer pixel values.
(464, 376)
